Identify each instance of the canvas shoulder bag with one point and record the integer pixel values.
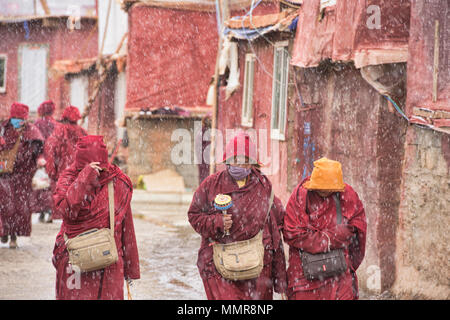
(8, 157)
(95, 249)
(241, 260)
(325, 265)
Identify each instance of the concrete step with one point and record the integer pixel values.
(158, 197)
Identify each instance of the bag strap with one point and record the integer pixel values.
(111, 206)
(337, 201)
(111, 209)
(272, 195)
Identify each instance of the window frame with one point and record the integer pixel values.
(5, 69)
(277, 131)
(247, 93)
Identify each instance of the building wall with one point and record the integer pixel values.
(422, 241)
(62, 44)
(151, 145)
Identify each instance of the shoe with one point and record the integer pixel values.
(4, 239)
(13, 242)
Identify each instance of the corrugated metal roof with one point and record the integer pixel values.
(200, 5)
(19, 19)
(28, 8)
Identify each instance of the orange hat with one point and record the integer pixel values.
(326, 176)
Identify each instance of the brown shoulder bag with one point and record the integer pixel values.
(8, 157)
(241, 260)
(95, 249)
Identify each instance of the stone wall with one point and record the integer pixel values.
(423, 236)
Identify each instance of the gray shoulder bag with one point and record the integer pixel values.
(325, 265)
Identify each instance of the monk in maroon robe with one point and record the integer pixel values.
(59, 149)
(15, 187)
(46, 123)
(310, 225)
(250, 192)
(81, 198)
(42, 199)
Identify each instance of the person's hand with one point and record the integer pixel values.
(41, 162)
(227, 222)
(94, 165)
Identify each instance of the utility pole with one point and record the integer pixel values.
(222, 6)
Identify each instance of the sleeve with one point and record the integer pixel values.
(357, 245)
(298, 233)
(70, 196)
(129, 246)
(279, 259)
(201, 215)
(50, 157)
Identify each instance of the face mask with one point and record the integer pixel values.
(16, 123)
(238, 173)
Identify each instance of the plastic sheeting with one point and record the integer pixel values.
(171, 57)
(367, 32)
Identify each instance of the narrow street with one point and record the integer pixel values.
(167, 248)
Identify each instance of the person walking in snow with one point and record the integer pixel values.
(42, 198)
(25, 142)
(59, 149)
(250, 192)
(325, 228)
(81, 198)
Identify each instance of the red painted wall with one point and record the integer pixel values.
(62, 44)
(171, 57)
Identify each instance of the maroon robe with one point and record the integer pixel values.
(46, 125)
(308, 224)
(82, 200)
(249, 212)
(59, 152)
(15, 188)
(42, 199)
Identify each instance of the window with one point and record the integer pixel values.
(279, 90)
(2, 73)
(247, 99)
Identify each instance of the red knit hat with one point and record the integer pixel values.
(241, 145)
(46, 108)
(71, 113)
(19, 111)
(89, 149)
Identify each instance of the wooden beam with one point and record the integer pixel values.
(436, 60)
(45, 7)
